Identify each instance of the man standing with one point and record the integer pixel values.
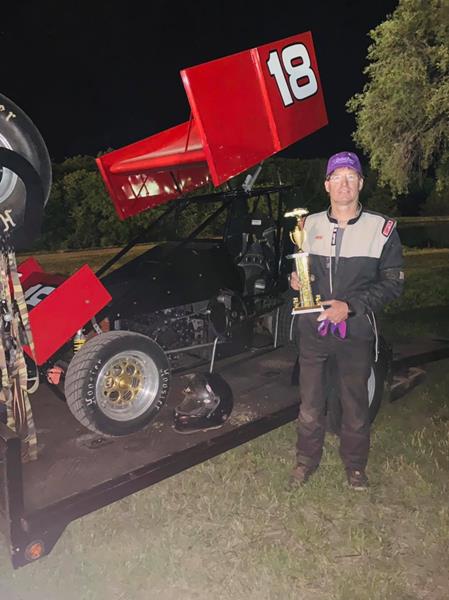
(356, 266)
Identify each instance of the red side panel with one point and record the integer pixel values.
(250, 105)
(56, 313)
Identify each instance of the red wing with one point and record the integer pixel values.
(245, 108)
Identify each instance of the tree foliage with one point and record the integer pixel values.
(402, 115)
(80, 214)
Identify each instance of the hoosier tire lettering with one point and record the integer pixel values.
(117, 382)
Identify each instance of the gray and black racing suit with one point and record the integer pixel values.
(361, 265)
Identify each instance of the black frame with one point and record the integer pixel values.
(226, 198)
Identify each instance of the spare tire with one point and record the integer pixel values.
(25, 175)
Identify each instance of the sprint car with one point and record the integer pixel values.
(114, 337)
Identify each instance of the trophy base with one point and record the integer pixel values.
(302, 310)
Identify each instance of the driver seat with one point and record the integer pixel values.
(257, 257)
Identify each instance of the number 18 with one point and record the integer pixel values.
(293, 89)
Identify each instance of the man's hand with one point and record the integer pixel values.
(294, 281)
(338, 311)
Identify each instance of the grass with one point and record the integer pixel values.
(426, 280)
(417, 261)
(422, 220)
(67, 262)
(232, 527)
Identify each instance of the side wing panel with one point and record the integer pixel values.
(231, 114)
(250, 105)
(296, 100)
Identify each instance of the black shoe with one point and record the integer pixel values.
(301, 473)
(357, 479)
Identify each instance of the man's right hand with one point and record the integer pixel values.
(294, 281)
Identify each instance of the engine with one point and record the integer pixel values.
(191, 325)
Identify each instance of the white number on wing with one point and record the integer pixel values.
(302, 82)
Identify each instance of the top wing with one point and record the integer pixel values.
(245, 108)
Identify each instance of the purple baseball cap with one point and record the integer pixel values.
(344, 159)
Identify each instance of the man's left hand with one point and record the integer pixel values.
(336, 312)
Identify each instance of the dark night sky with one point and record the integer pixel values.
(98, 74)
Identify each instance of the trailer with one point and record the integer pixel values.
(79, 471)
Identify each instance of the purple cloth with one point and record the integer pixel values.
(339, 330)
(344, 159)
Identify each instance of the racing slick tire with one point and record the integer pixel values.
(117, 382)
(25, 174)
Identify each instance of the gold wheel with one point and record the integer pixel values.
(127, 385)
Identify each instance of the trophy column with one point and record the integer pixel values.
(305, 302)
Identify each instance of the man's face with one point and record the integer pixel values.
(343, 186)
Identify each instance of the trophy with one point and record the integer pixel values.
(305, 302)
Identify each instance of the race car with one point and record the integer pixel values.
(115, 337)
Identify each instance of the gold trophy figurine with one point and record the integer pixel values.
(305, 302)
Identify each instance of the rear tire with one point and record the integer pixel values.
(117, 383)
(19, 135)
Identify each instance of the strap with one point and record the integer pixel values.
(25, 331)
(14, 332)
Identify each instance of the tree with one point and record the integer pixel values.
(402, 115)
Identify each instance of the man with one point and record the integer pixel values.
(356, 267)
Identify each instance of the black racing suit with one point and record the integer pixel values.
(366, 273)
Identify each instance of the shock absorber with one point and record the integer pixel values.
(79, 340)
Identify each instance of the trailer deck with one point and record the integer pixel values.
(79, 471)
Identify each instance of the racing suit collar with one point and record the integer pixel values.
(351, 221)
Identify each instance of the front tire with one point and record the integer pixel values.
(117, 383)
